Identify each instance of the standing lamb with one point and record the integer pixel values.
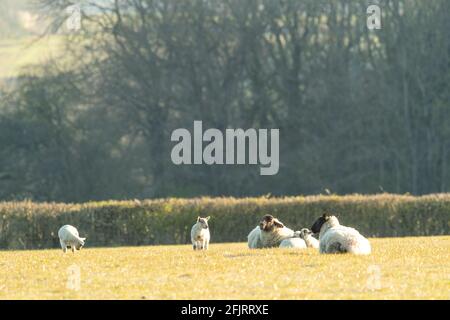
(335, 238)
(310, 241)
(294, 242)
(273, 232)
(69, 238)
(254, 239)
(200, 235)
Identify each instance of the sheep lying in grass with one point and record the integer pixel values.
(294, 242)
(254, 239)
(69, 238)
(310, 241)
(200, 235)
(273, 232)
(334, 238)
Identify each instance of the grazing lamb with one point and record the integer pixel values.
(254, 239)
(335, 238)
(273, 232)
(310, 241)
(294, 242)
(69, 238)
(200, 235)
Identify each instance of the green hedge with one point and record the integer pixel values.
(25, 225)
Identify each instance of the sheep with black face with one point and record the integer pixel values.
(200, 235)
(273, 232)
(335, 238)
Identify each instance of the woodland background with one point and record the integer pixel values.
(358, 110)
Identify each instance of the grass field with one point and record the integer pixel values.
(399, 268)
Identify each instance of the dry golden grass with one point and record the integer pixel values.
(399, 268)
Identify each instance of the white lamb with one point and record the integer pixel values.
(294, 242)
(273, 232)
(69, 238)
(200, 235)
(254, 239)
(310, 241)
(334, 238)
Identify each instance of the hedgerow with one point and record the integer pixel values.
(27, 225)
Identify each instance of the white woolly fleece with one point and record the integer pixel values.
(69, 237)
(200, 236)
(297, 243)
(335, 238)
(274, 238)
(311, 242)
(254, 239)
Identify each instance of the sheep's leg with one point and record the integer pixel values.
(206, 245)
(63, 246)
(336, 247)
(73, 249)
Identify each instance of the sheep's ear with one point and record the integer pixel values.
(278, 223)
(84, 239)
(207, 218)
(198, 218)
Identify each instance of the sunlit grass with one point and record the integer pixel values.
(399, 268)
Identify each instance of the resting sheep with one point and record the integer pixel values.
(254, 238)
(294, 242)
(200, 235)
(273, 232)
(310, 241)
(69, 237)
(335, 238)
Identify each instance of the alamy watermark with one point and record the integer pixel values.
(374, 277)
(73, 278)
(222, 150)
(374, 17)
(73, 21)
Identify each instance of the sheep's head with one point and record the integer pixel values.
(297, 234)
(203, 222)
(80, 245)
(269, 223)
(305, 232)
(315, 228)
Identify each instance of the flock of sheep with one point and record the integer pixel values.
(271, 232)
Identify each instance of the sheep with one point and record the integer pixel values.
(200, 235)
(69, 237)
(310, 241)
(294, 242)
(273, 232)
(254, 238)
(335, 238)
